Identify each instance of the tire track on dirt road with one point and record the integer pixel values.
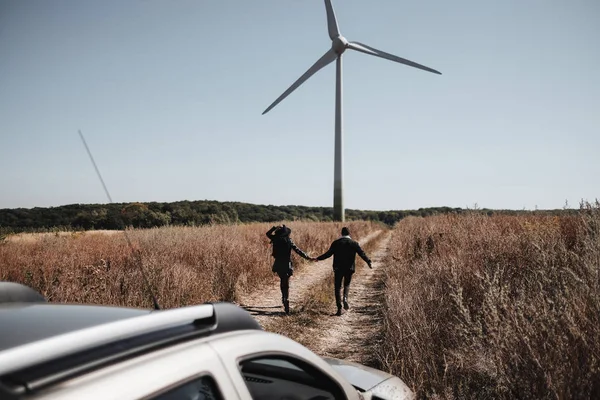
(355, 335)
(265, 305)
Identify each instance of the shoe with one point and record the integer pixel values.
(346, 306)
(286, 305)
(339, 312)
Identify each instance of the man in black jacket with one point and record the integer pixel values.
(344, 252)
(282, 251)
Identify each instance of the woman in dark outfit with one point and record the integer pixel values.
(282, 251)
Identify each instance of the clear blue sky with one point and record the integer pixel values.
(169, 95)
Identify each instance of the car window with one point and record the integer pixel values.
(203, 388)
(277, 362)
(277, 377)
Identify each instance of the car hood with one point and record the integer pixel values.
(371, 380)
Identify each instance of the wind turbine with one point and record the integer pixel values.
(339, 45)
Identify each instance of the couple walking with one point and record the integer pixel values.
(343, 250)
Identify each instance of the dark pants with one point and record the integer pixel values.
(284, 269)
(340, 276)
(284, 284)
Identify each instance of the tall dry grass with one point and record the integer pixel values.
(495, 307)
(184, 265)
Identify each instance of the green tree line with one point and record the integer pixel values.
(190, 213)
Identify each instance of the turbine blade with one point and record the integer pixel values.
(363, 48)
(327, 59)
(332, 25)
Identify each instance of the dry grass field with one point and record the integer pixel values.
(184, 265)
(495, 307)
(459, 306)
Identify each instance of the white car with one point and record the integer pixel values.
(209, 351)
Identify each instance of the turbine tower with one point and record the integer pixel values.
(339, 45)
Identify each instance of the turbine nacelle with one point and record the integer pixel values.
(339, 45)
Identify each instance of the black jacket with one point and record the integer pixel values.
(283, 246)
(344, 251)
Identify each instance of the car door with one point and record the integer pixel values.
(265, 366)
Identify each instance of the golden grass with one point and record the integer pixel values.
(495, 307)
(185, 265)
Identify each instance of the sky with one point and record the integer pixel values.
(169, 96)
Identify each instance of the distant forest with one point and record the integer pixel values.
(191, 213)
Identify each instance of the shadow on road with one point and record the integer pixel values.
(266, 311)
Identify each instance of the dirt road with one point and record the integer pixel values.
(355, 334)
(265, 304)
(312, 322)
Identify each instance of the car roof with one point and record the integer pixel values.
(50, 343)
(22, 323)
